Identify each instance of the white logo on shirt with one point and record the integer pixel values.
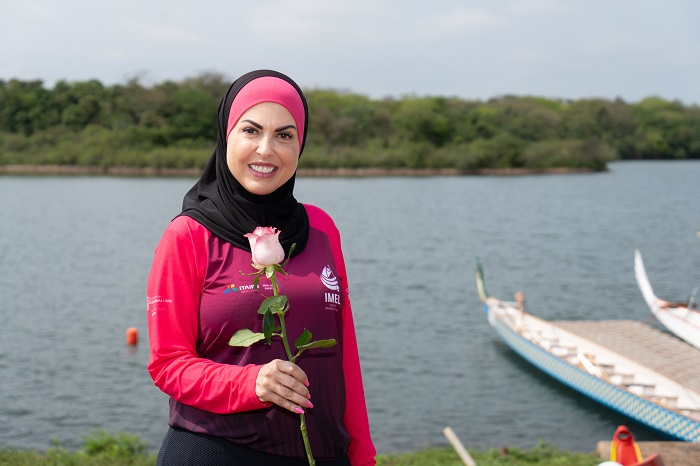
(328, 279)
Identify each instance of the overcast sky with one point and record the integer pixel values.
(568, 49)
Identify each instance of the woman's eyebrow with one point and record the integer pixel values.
(257, 125)
(282, 128)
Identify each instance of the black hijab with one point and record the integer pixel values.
(220, 203)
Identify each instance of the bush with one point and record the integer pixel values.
(121, 445)
(575, 154)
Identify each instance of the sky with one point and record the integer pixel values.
(560, 49)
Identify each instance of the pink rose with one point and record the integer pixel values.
(265, 247)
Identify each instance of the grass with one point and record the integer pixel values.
(539, 455)
(100, 449)
(104, 449)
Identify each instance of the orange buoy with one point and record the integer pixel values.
(132, 336)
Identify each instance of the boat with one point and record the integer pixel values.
(681, 318)
(572, 353)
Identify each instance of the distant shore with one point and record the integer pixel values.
(76, 170)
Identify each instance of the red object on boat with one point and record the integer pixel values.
(625, 450)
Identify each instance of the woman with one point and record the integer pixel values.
(237, 406)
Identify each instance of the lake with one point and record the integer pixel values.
(75, 254)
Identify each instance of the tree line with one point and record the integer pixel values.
(173, 125)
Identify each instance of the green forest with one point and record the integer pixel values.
(173, 125)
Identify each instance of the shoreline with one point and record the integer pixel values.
(76, 170)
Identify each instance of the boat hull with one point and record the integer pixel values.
(643, 411)
(681, 321)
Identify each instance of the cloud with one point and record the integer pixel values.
(155, 32)
(537, 7)
(301, 22)
(464, 22)
(393, 47)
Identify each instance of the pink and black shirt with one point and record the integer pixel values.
(199, 295)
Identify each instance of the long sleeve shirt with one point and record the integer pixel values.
(200, 292)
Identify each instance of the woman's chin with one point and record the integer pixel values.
(261, 186)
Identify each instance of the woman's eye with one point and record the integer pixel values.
(286, 135)
(249, 130)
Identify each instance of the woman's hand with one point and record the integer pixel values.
(284, 384)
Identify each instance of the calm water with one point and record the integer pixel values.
(75, 254)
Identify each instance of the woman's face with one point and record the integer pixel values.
(263, 148)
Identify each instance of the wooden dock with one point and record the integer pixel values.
(672, 453)
(659, 351)
(644, 344)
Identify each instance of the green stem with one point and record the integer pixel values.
(304, 435)
(302, 417)
(283, 327)
(273, 279)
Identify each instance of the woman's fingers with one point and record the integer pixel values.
(284, 384)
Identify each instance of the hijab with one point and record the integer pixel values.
(219, 202)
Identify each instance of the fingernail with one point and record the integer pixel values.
(298, 410)
(309, 404)
(306, 382)
(308, 396)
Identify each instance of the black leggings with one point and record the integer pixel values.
(184, 448)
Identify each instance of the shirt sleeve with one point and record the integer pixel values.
(173, 295)
(361, 451)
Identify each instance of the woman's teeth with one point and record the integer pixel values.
(262, 168)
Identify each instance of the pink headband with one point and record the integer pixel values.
(267, 89)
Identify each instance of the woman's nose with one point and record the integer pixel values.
(265, 146)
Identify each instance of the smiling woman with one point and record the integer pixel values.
(232, 405)
(263, 145)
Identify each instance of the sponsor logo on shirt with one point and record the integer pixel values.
(153, 303)
(230, 288)
(330, 281)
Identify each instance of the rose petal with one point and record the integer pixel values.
(265, 247)
(268, 250)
